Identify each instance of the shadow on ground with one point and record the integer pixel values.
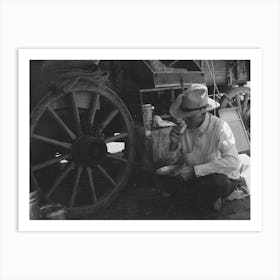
(147, 203)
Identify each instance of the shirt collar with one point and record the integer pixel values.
(205, 123)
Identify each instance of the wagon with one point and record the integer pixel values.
(84, 116)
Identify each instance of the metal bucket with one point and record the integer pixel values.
(34, 210)
(53, 211)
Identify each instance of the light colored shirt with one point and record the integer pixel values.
(210, 148)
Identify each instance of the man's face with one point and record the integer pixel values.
(194, 119)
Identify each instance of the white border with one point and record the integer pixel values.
(24, 224)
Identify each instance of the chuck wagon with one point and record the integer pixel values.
(84, 115)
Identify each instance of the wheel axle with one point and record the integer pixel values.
(88, 150)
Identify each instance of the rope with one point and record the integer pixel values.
(214, 82)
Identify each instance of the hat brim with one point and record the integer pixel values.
(177, 113)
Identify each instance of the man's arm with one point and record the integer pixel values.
(174, 138)
(229, 156)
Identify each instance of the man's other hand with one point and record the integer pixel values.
(174, 137)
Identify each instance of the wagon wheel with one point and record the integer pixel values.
(73, 153)
(239, 97)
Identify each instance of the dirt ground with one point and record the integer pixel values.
(143, 201)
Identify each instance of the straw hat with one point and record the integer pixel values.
(192, 99)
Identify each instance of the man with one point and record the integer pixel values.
(206, 149)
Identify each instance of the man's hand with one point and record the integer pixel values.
(174, 137)
(186, 172)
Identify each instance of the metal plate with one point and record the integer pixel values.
(167, 170)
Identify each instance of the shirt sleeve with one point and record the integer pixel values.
(229, 160)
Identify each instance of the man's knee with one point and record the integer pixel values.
(218, 178)
(219, 182)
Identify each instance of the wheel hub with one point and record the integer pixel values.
(89, 150)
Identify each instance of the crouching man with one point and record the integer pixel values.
(206, 147)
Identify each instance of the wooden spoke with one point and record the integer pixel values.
(117, 158)
(75, 185)
(94, 104)
(245, 103)
(61, 123)
(238, 102)
(107, 176)
(59, 179)
(49, 162)
(116, 137)
(91, 183)
(51, 141)
(76, 112)
(109, 118)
